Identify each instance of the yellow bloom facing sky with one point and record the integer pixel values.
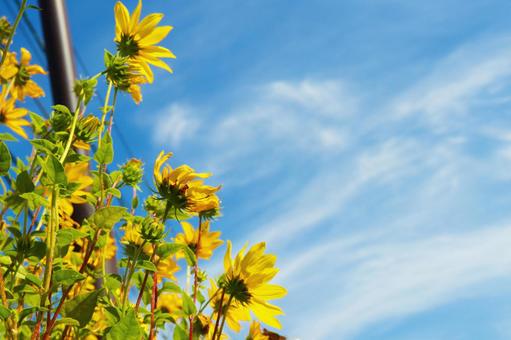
(247, 277)
(23, 83)
(13, 117)
(209, 241)
(183, 188)
(137, 39)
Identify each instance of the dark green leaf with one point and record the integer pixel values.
(105, 154)
(81, 307)
(33, 279)
(5, 159)
(107, 217)
(55, 171)
(67, 236)
(188, 305)
(67, 277)
(4, 312)
(147, 265)
(24, 183)
(127, 328)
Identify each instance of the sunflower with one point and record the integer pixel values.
(234, 315)
(171, 303)
(12, 116)
(246, 281)
(167, 268)
(182, 189)
(76, 174)
(204, 248)
(255, 332)
(23, 83)
(137, 39)
(8, 69)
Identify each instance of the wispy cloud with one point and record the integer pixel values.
(174, 124)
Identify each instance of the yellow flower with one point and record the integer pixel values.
(182, 188)
(167, 268)
(9, 68)
(246, 279)
(12, 116)
(204, 248)
(255, 332)
(23, 83)
(137, 39)
(76, 173)
(235, 313)
(171, 303)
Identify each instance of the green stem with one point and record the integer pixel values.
(22, 9)
(51, 232)
(207, 302)
(219, 314)
(224, 317)
(72, 132)
(104, 112)
(126, 289)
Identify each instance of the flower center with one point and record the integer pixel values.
(237, 288)
(127, 46)
(3, 116)
(22, 77)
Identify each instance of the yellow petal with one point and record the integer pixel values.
(122, 18)
(157, 35)
(25, 56)
(148, 24)
(135, 16)
(227, 257)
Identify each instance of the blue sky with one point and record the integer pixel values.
(366, 141)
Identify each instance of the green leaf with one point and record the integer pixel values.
(5, 159)
(33, 279)
(188, 305)
(43, 145)
(105, 154)
(24, 183)
(107, 217)
(127, 328)
(67, 321)
(4, 312)
(8, 137)
(147, 265)
(5, 260)
(189, 255)
(34, 200)
(67, 236)
(67, 277)
(167, 249)
(179, 333)
(170, 287)
(81, 307)
(37, 249)
(55, 171)
(27, 311)
(113, 282)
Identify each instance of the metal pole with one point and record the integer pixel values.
(59, 51)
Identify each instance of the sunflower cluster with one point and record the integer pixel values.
(80, 258)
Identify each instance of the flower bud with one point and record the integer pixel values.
(132, 172)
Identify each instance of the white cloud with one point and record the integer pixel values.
(387, 279)
(174, 124)
(467, 77)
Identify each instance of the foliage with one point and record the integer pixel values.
(54, 277)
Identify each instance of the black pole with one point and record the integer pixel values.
(59, 51)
